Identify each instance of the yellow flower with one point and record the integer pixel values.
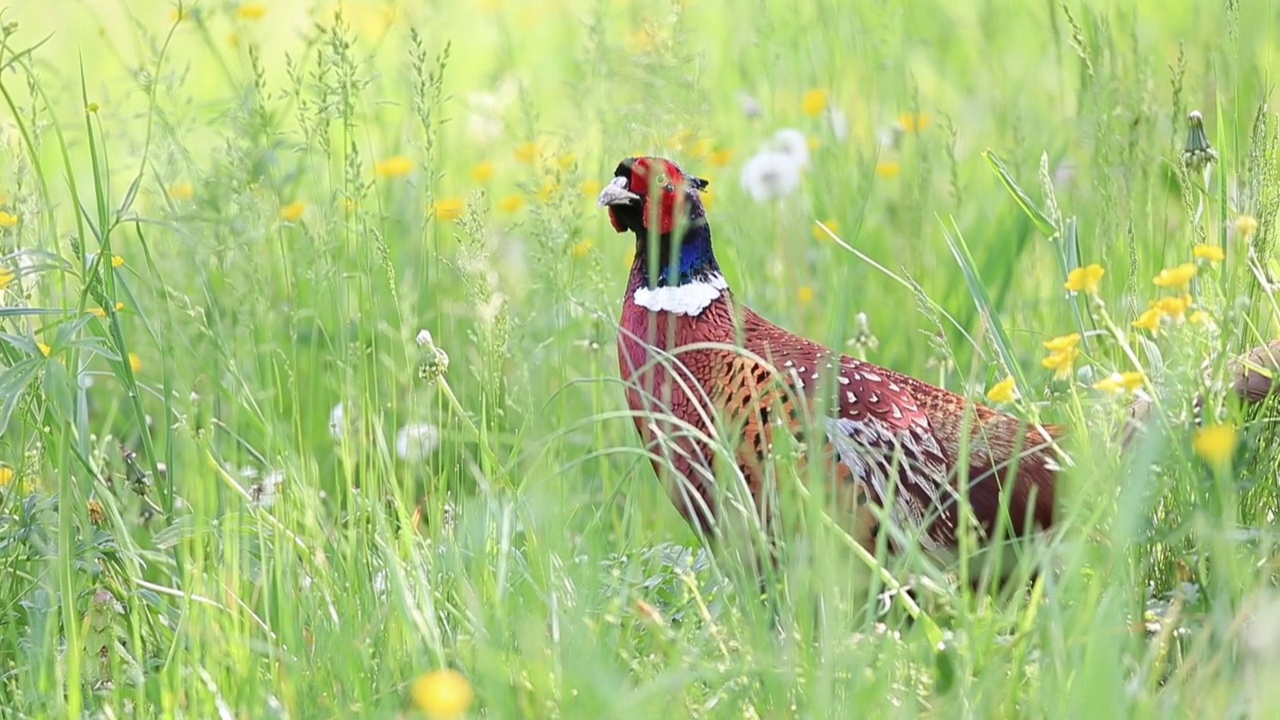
(7, 220)
(591, 188)
(1117, 382)
(814, 102)
(913, 122)
(6, 476)
(293, 211)
(6, 277)
(1215, 444)
(442, 694)
(720, 158)
(511, 204)
(119, 306)
(1200, 317)
(45, 350)
(1176, 277)
(1149, 319)
(1246, 225)
(1004, 391)
(1062, 343)
(251, 11)
(805, 294)
(1174, 307)
(1085, 279)
(181, 191)
(449, 209)
(1062, 354)
(135, 362)
(395, 166)
(482, 172)
(117, 261)
(528, 152)
(1212, 253)
(567, 161)
(582, 248)
(702, 149)
(98, 312)
(821, 234)
(888, 169)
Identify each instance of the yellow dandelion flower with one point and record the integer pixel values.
(582, 248)
(1212, 253)
(1062, 343)
(117, 261)
(1174, 307)
(1061, 363)
(1119, 382)
(592, 188)
(119, 306)
(251, 11)
(45, 350)
(482, 172)
(6, 476)
(805, 294)
(7, 277)
(1149, 319)
(1246, 226)
(720, 158)
(528, 152)
(8, 220)
(1176, 277)
(98, 312)
(888, 169)
(1003, 392)
(293, 211)
(511, 204)
(449, 209)
(814, 102)
(442, 694)
(135, 362)
(396, 166)
(1215, 444)
(1085, 279)
(914, 122)
(181, 191)
(821, 234)
(1200, 317)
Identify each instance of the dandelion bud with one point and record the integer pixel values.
(433, 362)
(1198, 153)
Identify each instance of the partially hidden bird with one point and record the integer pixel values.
(704, 372)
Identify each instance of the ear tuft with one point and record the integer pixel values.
(697, 182)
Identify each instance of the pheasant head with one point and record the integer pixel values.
(675, 269)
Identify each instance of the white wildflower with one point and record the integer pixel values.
(793, 144)
(264, 493)
(416, 442)
(424, 339)
(338, 422)
(770, 175)
(749, 105)
(839, 124)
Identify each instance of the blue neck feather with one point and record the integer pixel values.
(696, 262)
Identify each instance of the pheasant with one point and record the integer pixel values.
(695, 362)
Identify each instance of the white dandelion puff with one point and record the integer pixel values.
(416, 442)
(793, 144)
(264, 493)
(770, 175)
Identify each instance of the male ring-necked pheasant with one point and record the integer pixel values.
(695, 363)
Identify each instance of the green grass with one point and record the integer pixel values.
(182, 535)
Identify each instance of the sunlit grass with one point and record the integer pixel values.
(237, 478)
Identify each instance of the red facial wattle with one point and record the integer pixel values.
(671, 200)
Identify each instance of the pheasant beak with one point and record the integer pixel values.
(616, 193)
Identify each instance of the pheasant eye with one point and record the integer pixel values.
(660, 178)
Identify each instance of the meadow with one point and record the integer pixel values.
(238, 480)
